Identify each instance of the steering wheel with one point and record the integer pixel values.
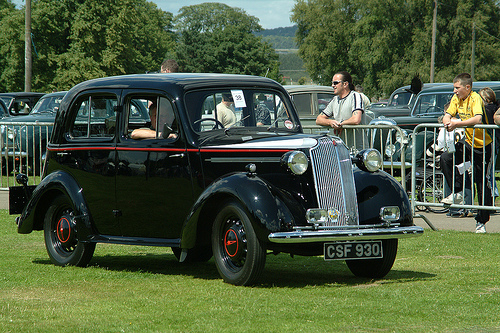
(216, 125)
(433, 109)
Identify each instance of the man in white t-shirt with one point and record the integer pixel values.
(225, 111)
(346, 108)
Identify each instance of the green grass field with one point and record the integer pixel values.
(444, 281)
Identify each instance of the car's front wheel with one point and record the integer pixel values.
(239, 255)
(60, 235)
(376, 268)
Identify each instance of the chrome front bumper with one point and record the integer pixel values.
(345, 234)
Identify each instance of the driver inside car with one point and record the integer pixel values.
(151, 133)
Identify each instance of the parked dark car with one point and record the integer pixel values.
(428, 107)
(24, 139)
(401, 101)
(235, 193)
(20, 103)
(379, 104)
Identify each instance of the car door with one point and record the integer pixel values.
(88, 154)
(153, 187)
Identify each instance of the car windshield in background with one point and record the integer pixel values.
(6, 100)
(48, 104)
(400, 99)
(225, 108)
(431, 103)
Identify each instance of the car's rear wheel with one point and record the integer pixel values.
(239, 255)
(376, 268)
(60, 235)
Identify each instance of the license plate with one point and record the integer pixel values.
(353, 250)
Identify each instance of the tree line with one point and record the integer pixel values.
(383, 44)
(77, 40)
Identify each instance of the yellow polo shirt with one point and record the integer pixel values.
(471, 106)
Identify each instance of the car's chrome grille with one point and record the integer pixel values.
(334, 179)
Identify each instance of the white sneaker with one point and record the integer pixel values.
(453, 198)
(480, 228)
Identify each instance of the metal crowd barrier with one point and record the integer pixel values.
(382, 137)
(428, 185)
(23, 147)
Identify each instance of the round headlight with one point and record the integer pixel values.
(402, 138)
(390, 149)
(11, 133)
(372, 160)
(295, 161)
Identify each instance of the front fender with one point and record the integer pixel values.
(56, 183)
(268, 212)
(376, 190)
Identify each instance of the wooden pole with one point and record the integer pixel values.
(433, 46)
(473, 56)
(27, 47)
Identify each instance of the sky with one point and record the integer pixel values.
(271, 13)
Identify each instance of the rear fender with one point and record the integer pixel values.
(267, 211)
(56, 183)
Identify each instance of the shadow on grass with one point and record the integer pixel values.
(280, 271)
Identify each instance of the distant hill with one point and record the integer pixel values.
(280, 38)
(283, 41)
(284, 32)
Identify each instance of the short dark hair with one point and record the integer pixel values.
(227, 97)
(464, 78)
(171, 65)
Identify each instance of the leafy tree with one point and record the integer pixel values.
(384, 43)
(76, 40)
(11, 48)
(214, 37)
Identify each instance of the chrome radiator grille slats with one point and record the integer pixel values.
(334, 180)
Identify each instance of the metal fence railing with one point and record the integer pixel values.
(390, 140)
(428, 184)
(23, 147)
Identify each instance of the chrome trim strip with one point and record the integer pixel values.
(244, 159)
(273, 144)
(297, 237)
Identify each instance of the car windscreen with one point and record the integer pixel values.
(230, 108)
(400, 99)
(47, 104)
(428, 104)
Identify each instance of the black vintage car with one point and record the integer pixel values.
(206, 181)
(20, 103)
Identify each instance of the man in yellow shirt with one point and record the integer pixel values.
(470, 108)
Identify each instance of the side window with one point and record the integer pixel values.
(151, 117)
(21, 106)
(95, 117)
(303, 104)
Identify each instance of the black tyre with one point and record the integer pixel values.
(239, 255)
(61, 240)
(376, 268)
